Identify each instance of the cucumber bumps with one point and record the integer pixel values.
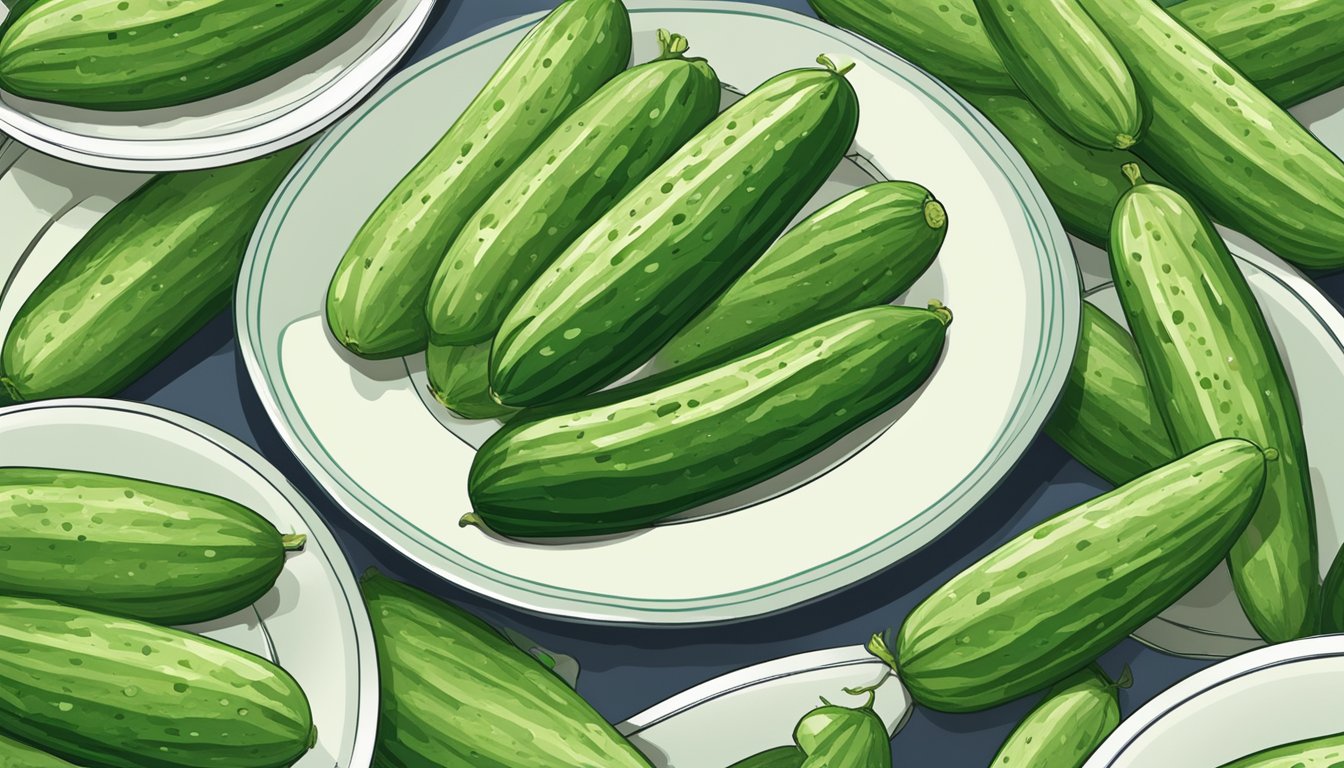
(1067, 727)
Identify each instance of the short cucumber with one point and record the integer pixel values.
(17, 754)
(459, 378)
(1206, 347)
(832, 736)
(1325, 752)
(630, 459)
(864, 249)
(376, 300)
(675, 241)
(1077, 715)
(1065, 65)
(595, 156)
(779, 757)
(119, 693)
(134, 548)
(1051, 600)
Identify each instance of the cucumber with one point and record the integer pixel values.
(1051, 600)
(675, 241)
(119, 693)
(1205, 346)
(376, 300)
(1106, 417)
(457, 692)
(1065, 65)
(1325, 752)
(144, 54)
(779, 757)
(133, 548)
(1065, 729)
(145, 278)
(1213, 133)
(602, 150)
(459, 378)
(634, 455)
(16, 754)
(840, 737)
(866, 248)
(1332, 597)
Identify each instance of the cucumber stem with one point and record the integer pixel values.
(1271, 454)
(1124, 141)
(293, 542)
(1132, 172)
(9, 393)
(935, 215)
(672, 45)
(871, 690)
(877, 646)
(944, 314)
(1125, 680)
(471, 518)
(829, 63)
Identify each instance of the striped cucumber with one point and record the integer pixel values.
(675, 241)
(1325, 752)
(1106, 417)
(1065, 65)
(864, 249)
(1332, 597)
(1051, 600)
(144, 54)
(145, 278)
(376, 300)
(134, 548)
(779, 757)
(119, 693)
(16, 754)
(459, 378)
(602, 150)
(1065, 729)
(840, 737)
(457, 692)
(630, 457)
(1207, 349)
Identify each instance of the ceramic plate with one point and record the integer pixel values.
(399, 463)
(312, 622)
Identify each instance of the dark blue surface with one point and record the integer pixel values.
(626, 670)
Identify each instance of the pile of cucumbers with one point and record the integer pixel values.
(581, 222)
(95, 569)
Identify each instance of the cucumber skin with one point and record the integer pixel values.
(983, 638)
(607, 146)
(132, 547)
(624, 463)
(16, 754)
(866, 248)
(1179, 286)
(457, 692)
(1065, 729)
(779, 757)
(1106, 417)
(459, 378)
(1325, 752)
(162, 54)
(1332, 597)
(150, 274)
(237, 710)
(840, 737)
(376, 300)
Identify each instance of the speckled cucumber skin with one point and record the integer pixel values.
(107, 691)
(1325, 752)
(1077, 715)
(16, 754)
(1050, 601)
(459, 378)
(1206, 347)
(376, 300)
(144, 54)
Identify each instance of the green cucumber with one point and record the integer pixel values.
(1051, 600)
(144, 54)
(1065, 729)
(376, 300)
(1065, 65)
(1107, 417)
(145, 278)
(457, 692)
(606, 147)
(119, 693)
(459, 378)
(864, 249)
(779, 757)
(675, 241)
(1214, 133)
(1205, 346)
(635, 455)
(1325, 752)
(16, 754)
(134, 548)
(1332, 597)
(840, 737)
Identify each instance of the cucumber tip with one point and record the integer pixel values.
(1271, 454)
(944, 314)
(1124, 141)
(9, 394)
(471, 519)
(1133, 173)
(293, 542)
(935, 215)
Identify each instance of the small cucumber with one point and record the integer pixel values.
(1065, 729)
(779, 757)
(16, 754)
(1206, 347)
(840, 737)
(459, 378)
(1053, 599)
(1325, 752)
(864, 249)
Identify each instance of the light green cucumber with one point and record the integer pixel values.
(459, 378)
(832, 736)
(16, 754)
(1325, 752)
(1077, 715)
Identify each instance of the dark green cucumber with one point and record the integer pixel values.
(1065, 65)
(134, 548)
(840, 737)
(675, 241)
(119, 693)
(1325, 752)
(143, 54)
(16, 754)
(146, 277)
(376, 300)
(864, 249)
(1106, 417)
(1050, 601)
(601, 151)
(1065, 729)
(779, 757)
(457, 692)
(1205, 346)
(459, 378)
(1332, 597)
(630, 460)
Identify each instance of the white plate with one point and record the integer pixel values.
(399, 464)
(1277, 695)
(313, 621)
(280, 110)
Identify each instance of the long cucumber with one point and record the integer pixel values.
(459, 378)
(1332, 597)
(1077, 715)
(779, 757)
(1325, 752)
